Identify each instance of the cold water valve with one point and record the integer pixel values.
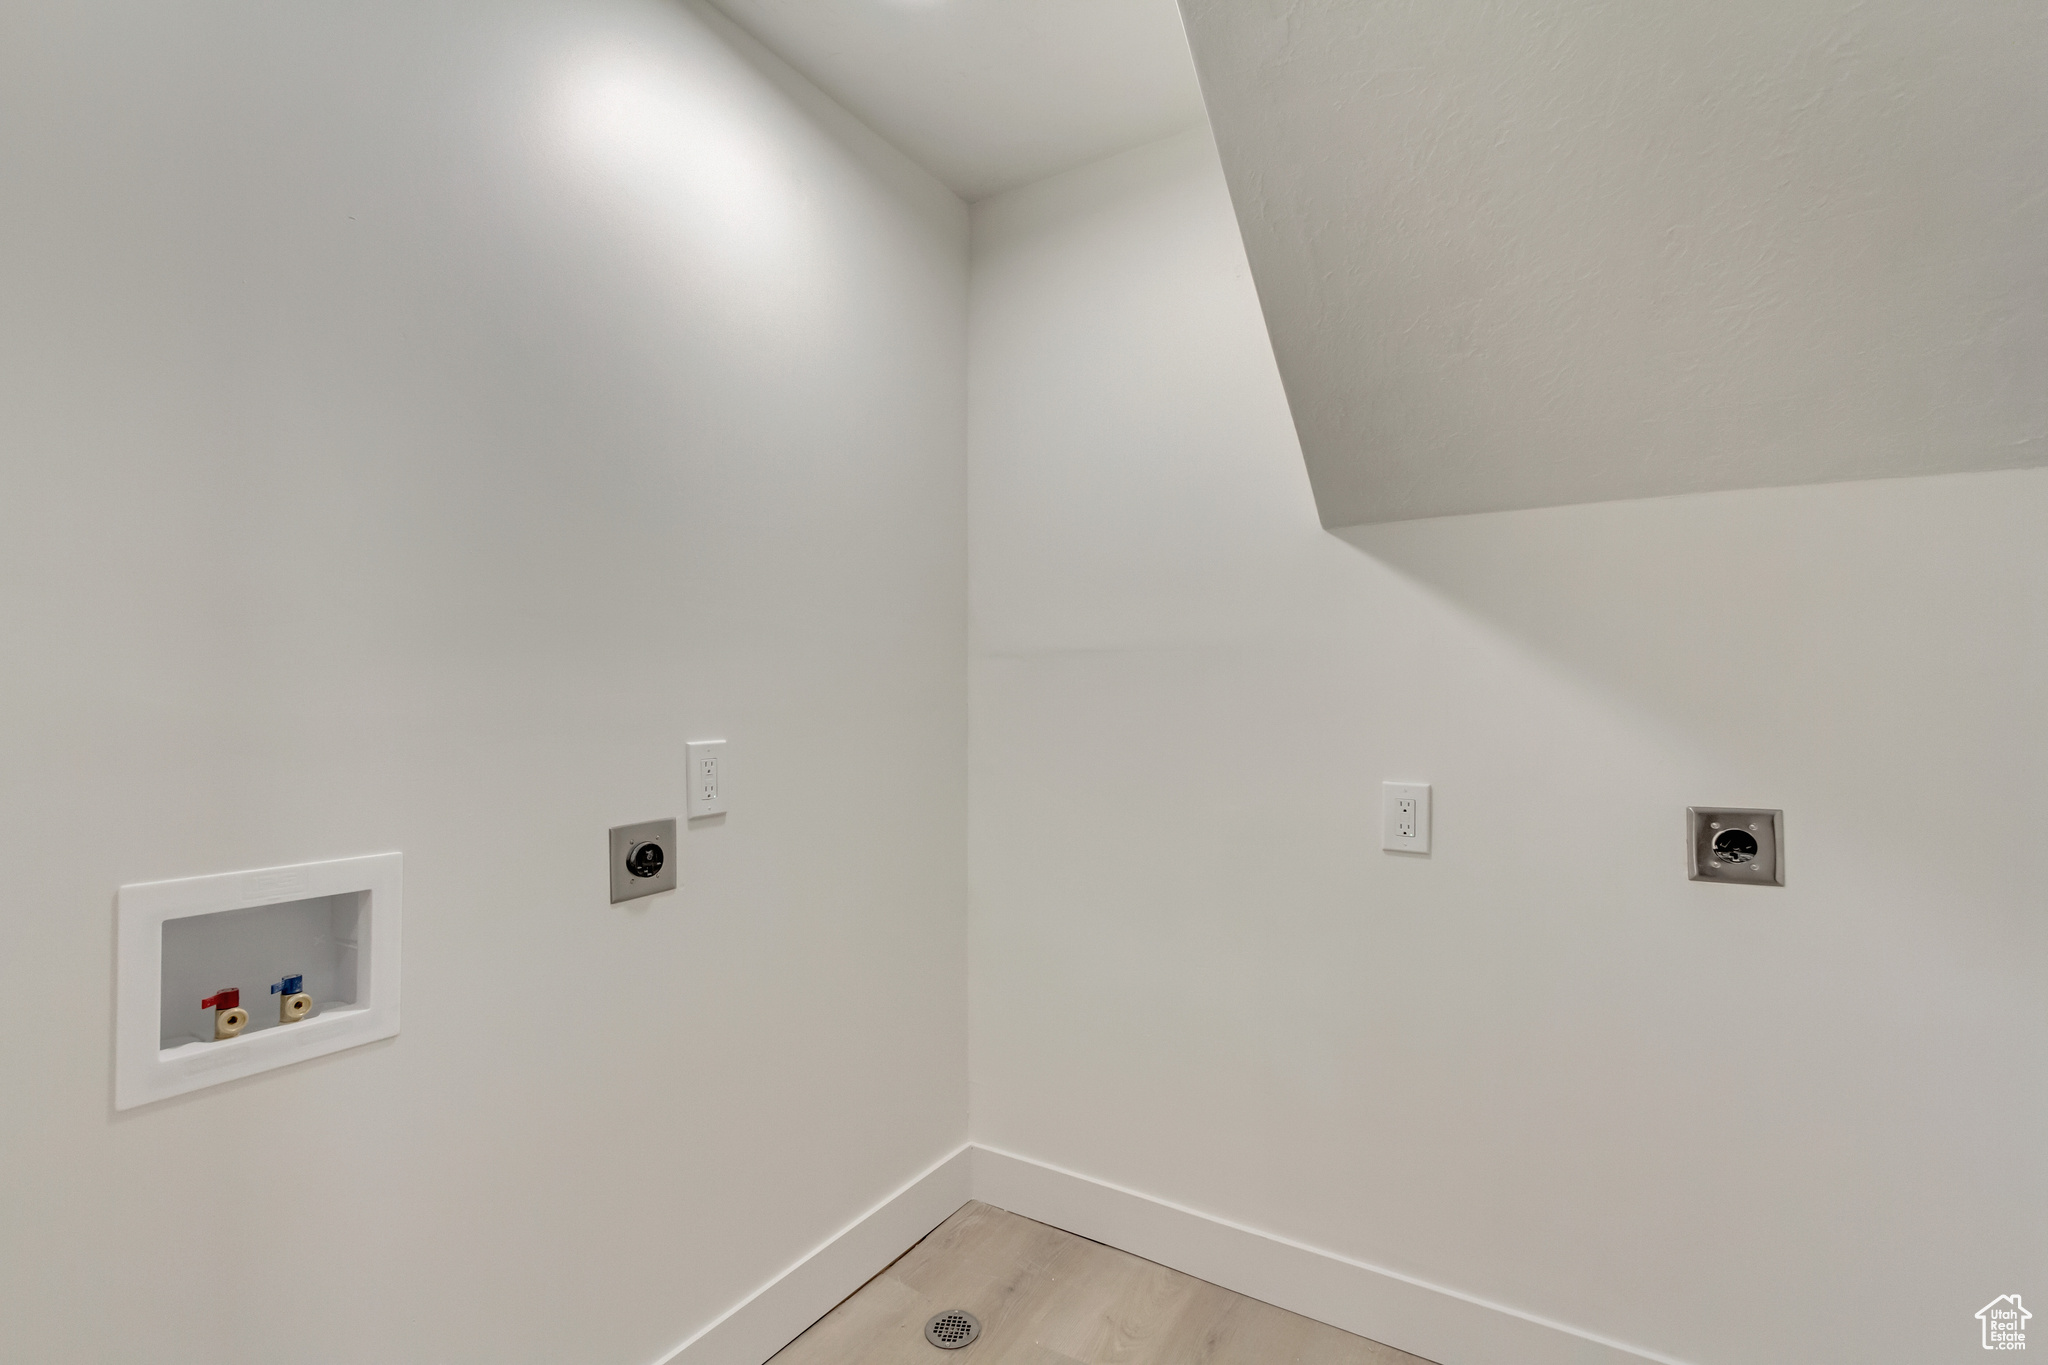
(293, 1003)
(229, 1018)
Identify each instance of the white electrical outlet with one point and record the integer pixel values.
(1406, 825)
(707, 777)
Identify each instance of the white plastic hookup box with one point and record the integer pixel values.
(334, 923)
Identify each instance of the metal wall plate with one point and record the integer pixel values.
(643, 859)
(1736, 846)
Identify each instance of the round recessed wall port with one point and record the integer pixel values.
(1735, 846)
(646, 859)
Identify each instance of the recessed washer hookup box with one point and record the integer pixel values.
(181, 945)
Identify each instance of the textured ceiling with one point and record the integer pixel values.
(988, 94)
(1516, 253)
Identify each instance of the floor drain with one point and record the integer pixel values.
(952, 1329)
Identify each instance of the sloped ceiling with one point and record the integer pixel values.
(1516, 253)
(989, 94)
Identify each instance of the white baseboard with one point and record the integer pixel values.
(1428, 1320)
(778, 1312)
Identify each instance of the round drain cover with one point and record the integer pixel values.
(952, 1329)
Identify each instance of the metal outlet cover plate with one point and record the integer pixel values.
(1735, 845)
(626, 839)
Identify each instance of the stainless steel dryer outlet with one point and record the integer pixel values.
(643, 859)
(1737, 847)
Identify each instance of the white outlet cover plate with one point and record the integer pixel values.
(145, 1071)
(1396, 833)
(707, 777)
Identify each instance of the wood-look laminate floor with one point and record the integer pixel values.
(1047, 1297)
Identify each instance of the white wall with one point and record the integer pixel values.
(1537, 1066)
(417, 421)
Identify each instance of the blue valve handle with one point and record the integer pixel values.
(291, 985)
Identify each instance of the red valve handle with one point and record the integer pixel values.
(227, 1000)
